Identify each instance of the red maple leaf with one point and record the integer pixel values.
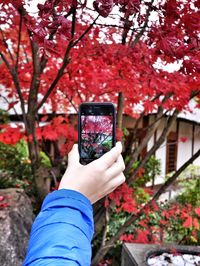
(142, 236)
(196, 223)
(50, 133)
(183, 139)
(197, 211)
(188, 222)
(1, 198)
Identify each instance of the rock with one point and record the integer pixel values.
(16, 217)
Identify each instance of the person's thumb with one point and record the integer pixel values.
(73, 156)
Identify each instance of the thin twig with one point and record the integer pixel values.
(15, 78)
(6, 45)
(139, 35)
(25, 53)
(6, 100)
(19, 41)
(70, 100)
(107, 218)
(85, 32)
(119, 26)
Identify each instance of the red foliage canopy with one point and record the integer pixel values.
(67, 53)
(100, 66)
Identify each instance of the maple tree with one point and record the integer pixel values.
(70, 52)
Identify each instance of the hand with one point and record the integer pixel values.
(96, 179)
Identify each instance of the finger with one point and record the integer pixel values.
(114, 183)
(116, 168)
(73, 156)
(110, 157)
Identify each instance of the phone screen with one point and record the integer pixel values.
(97, 132)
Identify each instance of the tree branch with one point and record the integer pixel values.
(139, 35)
(120, 104)
(146, 139)
(175, 175)
(64, 64)
(85, 32)
(120, 107)
(58, 76)
(15, 78)
(133, 138)
(73, 21)
(158, 143)
(151, 129)
(19, 41)
(105, 228)
(125, 30)
(118, 26)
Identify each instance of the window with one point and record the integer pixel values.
(171, 160)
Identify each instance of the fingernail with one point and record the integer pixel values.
(119, 144)
(75, 146)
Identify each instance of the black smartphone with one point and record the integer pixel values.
(96, 130)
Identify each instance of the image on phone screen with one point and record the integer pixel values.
(96, 135)
(96, 130)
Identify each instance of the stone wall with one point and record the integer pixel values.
(16, 217)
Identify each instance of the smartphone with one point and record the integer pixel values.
(96, 130)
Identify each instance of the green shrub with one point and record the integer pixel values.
(15, 167)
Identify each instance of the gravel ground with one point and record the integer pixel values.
(167, 259)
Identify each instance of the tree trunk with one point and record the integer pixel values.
(40, 173)
(120, 109)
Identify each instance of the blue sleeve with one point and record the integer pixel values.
(62, 232)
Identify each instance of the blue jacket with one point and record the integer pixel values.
(62, 232)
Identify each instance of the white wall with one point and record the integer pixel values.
(184, 151)
(184, 148)
(197, 143)
(161, 154)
